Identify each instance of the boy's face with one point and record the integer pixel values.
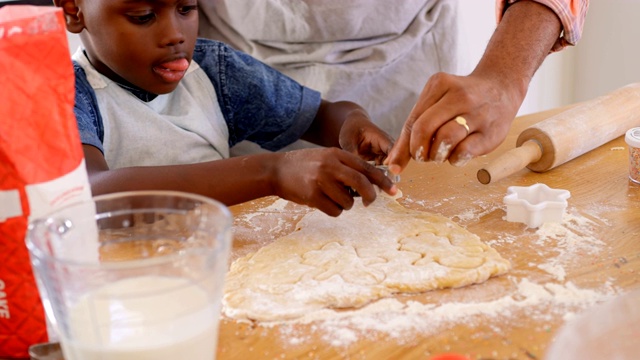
(147, 43)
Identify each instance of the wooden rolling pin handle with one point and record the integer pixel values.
(511, 162)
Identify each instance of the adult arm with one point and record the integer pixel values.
(488, 98)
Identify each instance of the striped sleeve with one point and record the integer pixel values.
(572, 14)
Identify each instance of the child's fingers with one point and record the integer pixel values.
(330, 207)
(348, 183)
(361, 176)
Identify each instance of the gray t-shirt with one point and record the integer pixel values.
(378, 54)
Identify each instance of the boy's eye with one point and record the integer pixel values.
(187, 9)
(142, 18)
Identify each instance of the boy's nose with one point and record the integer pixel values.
(172, 33)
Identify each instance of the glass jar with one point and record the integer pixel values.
(632, 138)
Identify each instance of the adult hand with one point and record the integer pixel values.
(321, 178)
(487, 107)
(488, 99)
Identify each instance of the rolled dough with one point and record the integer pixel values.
(365, 254)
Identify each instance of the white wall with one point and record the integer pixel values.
(605, 59)
(551, 85)
(608, 57)
(476, 22)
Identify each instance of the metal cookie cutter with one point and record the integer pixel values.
(536, 204)
(394, 178)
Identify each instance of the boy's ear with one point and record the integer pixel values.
(72, 15)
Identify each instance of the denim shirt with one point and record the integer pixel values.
(259, 104)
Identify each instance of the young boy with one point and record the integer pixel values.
(158, 108)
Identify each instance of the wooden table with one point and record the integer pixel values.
(604, 211)
(600, 252)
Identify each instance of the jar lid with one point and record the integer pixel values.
(632, 137)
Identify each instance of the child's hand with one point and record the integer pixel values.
(321, 178)
(360, 136)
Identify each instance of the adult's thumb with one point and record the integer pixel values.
(400, 153)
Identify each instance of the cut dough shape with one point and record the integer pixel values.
(365, 254)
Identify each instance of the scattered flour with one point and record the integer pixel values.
(474, 214)
(422, 203)
(278, 205)
(399, 318)
(502, 239)
(572, 236)
(552, 268)
(479, 210)
(262, 221)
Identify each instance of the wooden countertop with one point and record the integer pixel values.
(598, 246)
(592, 256)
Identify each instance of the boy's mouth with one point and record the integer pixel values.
(172, 71)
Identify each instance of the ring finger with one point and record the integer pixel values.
(448, 136)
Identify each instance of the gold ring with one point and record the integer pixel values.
(462, 121)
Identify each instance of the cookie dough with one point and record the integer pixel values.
(365, 254)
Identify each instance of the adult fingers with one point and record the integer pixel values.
(400, 153)
(415, 129)
(480, 142)
(450, 136)
(420, 126)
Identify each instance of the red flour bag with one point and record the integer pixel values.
(41, 160)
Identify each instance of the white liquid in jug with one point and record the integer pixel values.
(148, 317)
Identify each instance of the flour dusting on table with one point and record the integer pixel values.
(543, 298)
(572, 236)
(400, 320)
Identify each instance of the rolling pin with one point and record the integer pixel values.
(569, 134)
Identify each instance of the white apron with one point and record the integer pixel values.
(183, 127)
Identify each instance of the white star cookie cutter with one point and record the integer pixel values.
(536, 204)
